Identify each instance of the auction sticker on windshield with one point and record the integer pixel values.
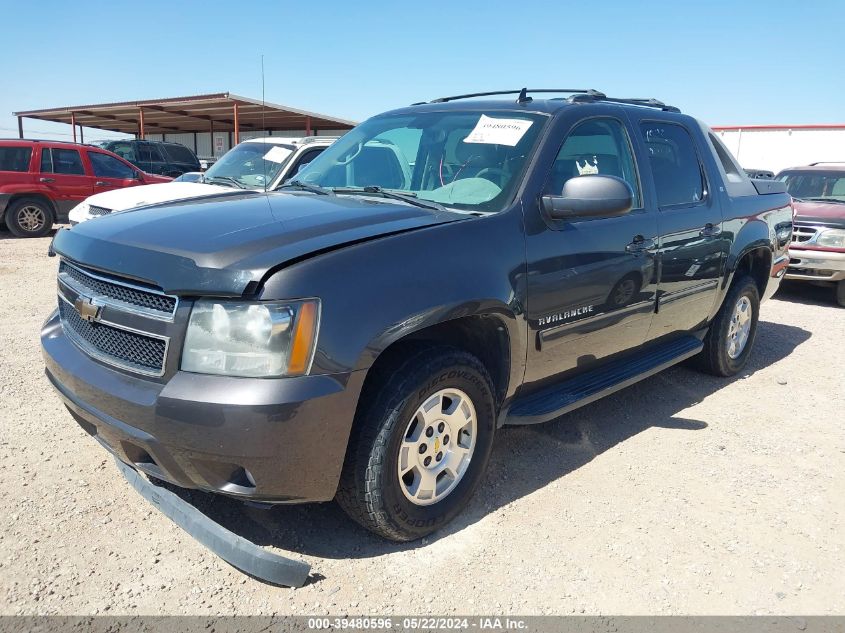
(498, 131)
(278, 154)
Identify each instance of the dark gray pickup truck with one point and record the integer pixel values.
(440, 271)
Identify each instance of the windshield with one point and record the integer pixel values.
(252, 164)
(468, 160)
(815, 185)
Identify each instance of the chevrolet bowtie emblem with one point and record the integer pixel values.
(87, 309)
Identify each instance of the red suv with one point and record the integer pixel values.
(41, 181)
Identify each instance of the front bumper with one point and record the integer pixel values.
(273, 440)
(815, 265)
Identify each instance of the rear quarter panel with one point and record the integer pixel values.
(754, 222)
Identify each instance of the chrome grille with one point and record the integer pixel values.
(112, 344)
(98, 211)
(130, 295)
(802, 234)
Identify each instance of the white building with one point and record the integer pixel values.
(776, 147)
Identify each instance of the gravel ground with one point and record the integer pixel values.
(684, 494)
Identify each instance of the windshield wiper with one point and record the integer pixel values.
(410, 198)
(298, 184)
(226, 179)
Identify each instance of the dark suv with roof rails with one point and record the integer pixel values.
(440, 271)
(155, 157)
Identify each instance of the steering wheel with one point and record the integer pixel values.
(498, 175)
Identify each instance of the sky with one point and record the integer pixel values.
(727, 63)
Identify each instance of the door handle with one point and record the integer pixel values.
(42, 179)
(710, 230)
(639, 245)
(101, 183)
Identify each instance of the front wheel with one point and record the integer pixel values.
(728, 343)
(422, 438)
(840, 293)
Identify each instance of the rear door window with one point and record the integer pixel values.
(180, 153)
(106, 166)
(15, 158)
(61, 161)
(678, 175)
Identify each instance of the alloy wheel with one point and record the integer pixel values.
(739, 328)
(437, 446)
(31, 218)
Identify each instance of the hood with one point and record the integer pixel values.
(828, 213)
(219, 245)
(131, 197)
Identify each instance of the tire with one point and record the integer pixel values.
(718, 356)
(840, 293)
(29, 217)
(371, 490)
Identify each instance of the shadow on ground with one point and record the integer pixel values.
(806, 293)
(524, 459)
(5, 234)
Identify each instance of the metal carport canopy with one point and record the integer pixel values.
(220, 112)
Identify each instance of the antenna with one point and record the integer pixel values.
(263, 124)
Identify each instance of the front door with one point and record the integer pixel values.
(692, 250)
(63, 174)
(591, 282)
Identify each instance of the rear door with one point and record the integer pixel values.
(692, 251)
(151, 158)
(64, 175)
(591, 281)
(110, 172)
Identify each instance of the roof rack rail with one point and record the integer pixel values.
(523, 94)
(578, 96)
(313, 139)
(650, 102)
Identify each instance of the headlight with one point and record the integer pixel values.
(255, 339)
(831, 238)
(79, 212)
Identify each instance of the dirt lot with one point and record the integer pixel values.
(682, 494)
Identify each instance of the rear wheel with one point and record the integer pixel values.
(29, 217)
(421, 443)
(728, 343)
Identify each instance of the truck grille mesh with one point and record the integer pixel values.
(98, 211)
(802, 233)
(121, 347)
(164, 304)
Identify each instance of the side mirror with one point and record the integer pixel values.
(590, 196)
(139, 176)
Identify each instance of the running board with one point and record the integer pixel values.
(235, 550)
(556, 400)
